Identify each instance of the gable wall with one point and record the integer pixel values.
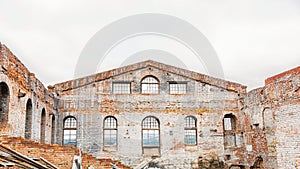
(92, 103)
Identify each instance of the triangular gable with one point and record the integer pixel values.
(76, 83)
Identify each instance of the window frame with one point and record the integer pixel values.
(110, 129)
(189, 128)
(121, 82)
(69, 128)
(232, 123)
(178, 82)
(149, 129)
(149, 83)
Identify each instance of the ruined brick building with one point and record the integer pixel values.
(152, 113)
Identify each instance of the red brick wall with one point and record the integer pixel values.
(291, 72)
(60, 156)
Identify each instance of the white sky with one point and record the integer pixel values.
(254, 39)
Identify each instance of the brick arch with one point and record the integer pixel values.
(157, 120)
(151, 76)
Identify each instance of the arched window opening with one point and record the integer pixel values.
(4, 103)
(43, 126)
(150, 85)
(70, 131)
(229, 126)
(150, 135)
(268, 119)
(28, 119)
(53, 129)
(190, 130)
(110, 131)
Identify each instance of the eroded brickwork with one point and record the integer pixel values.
(274, 109)
(234, 129)
(207, 99)
(22, 87)
(60, 156)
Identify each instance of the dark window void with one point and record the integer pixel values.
(70, 131)
(53, 129)
(237, 167)
(150, 85)
(229, 126)
(28, 119)
(110, 131)
(258, 164)
(190, 130)
(43, 126)
(4, 103)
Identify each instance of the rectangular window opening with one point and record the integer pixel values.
(121, 88)
(178, 88)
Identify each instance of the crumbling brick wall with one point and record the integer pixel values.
(266, 119)
(91, 99)
(60, 156)
(273, 112)
(22, 86)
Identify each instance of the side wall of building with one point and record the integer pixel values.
(274, 113)
(284, 93)
(27, 99)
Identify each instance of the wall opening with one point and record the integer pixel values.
(258, 164)
(43, 126)
(151, 136)
(268, 119)
(4, 103)
(149, 85)
(229, 127)
(110, 132)
(28, 119)
(190, 130)
(237, 167)
(70, 131)
(53, 129)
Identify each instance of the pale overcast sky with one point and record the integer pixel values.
(253, 39)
